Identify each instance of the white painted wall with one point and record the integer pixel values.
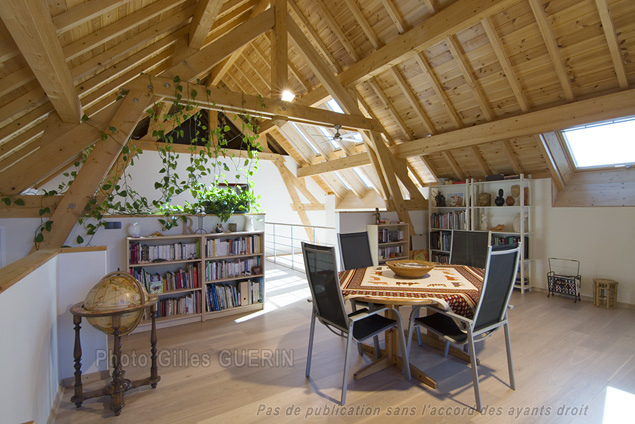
(28, 357)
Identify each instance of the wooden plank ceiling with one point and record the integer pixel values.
(454, 88)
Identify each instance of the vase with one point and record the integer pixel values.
(510, 201)
(249, 223)
(500, 200)
(134, 229)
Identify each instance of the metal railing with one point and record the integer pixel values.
(282, 242)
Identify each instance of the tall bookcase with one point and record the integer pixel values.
(200, 276)
(388, 242)
(507, 224)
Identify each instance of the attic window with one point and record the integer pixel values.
(362, 176)
(305, 138)
(342, 180)
(602, 144)
(355, 137)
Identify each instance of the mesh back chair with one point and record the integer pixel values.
(490, 314)
(328, 308)
(469, 248)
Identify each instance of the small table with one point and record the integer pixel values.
(455, 287)
(605, 292)
(119, 385)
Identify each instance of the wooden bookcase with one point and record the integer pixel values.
(200, 276)
(388, 242)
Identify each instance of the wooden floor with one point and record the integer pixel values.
(573, 363)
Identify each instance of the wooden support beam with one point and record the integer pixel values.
(32, 30)
(611, 39)
(201, 24)
(610, 106)
(184, 149)
(552, 47)
(551, 163)
(394, 15)
(95, 168)
(555, 145)
(258, 71)
(279, 50)
(413, 100)
(336, 28)
(83, 13)
(454, 18)
(221, 99)
(32, 205)
(506, 65)
(408, 135)
(287, 178)
(438, 89)
(222, 68)
(430, 5)
(454, 165)
(511, 157)
(201, 63)
(459, 58)
(485, 169)
(347, 162)
(363, 23)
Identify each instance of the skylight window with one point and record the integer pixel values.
(342, 180)
(362, 176)
(305, 138)
(355, 137)
(329, 137)
(603, 144)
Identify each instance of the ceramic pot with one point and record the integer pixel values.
(500, 200)
(134, 229)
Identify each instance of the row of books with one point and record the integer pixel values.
(440, 240)
(390, 252)
(233, 246)
(385, 235)
(449, 221)
(183, 278)
(142, 253)
(223, 296)
(216, 270)
(178, 305)
(439, 258)
(505, 240)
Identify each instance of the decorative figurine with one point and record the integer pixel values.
(500, 200)
(440, 199)
(219, 228)
(510, 200)
(377, 216)
(484, 199)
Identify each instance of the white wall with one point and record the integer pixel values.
(601, 238)
(28, 357)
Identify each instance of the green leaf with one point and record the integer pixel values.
(6, 201)
(19, 202)
(39, 238)
(80, 239)
(84, 118)
(112, 129)
(177, 79)
(106, 187)
(226, 128)
(48, 225)
(104, 136)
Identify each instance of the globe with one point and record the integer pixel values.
(115, 292)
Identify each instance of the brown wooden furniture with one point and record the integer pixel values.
(605, 292)
(119, 385)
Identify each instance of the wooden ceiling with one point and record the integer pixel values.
(451, 88)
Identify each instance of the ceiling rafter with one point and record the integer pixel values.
(32, 29)
(85, 12)
(552, 47)
(394, 15)
(385, 101)
(257, 70)
(363, 23)
(511, 157)
(279, 50)
(202, 21)
(611, 39)
(325, 13)
(447, 155)
(412, 99)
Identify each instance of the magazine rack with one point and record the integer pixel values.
(564, 277)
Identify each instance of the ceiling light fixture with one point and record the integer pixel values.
(288, 96)
(337, 136)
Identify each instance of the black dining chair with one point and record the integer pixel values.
(469, 248)
(328, 308)
(491, 313)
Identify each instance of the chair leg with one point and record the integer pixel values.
(477, 390)
(447, 349)
(510, 362)
(345, 377)
(415, 311)
(411, 325)
(402, 344)
(308, 356)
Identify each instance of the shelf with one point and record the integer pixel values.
(216, 258)
(239, 277)
(235, 310)
(142, 264)
(392, 243)
(179, 291)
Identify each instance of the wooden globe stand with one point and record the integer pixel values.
(119, 385)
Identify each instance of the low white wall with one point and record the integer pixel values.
(28, 357)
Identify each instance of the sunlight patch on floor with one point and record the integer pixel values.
(618, 406)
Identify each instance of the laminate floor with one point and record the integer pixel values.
(574, 363)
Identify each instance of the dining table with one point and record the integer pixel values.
(448, 287)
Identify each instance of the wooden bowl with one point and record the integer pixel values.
(410, 268)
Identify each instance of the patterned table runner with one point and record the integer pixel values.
(454, 287)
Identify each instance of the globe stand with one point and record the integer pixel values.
(119, 385)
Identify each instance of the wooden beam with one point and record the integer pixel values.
(556, 149)
(363, 23)
(394, 15)
(430, 5)
(95, 168)
(413, 100)
(83, 13)
(511, 157)
(221, 99)
(222, 68)
(287, 178)
(454, 18)
(154, 146)
(32, 205)
(454, 165)
(485, 169)
(258, 71)
(279, 50)
(459, 57)
(31, 27)
(600, 108)
(438, 89)
(611, 39)
(506, 65)
(391, 108)
(201, 24)
(551, 163)
(552, 47)
(200, 63)
(335, 28)
(347, 162)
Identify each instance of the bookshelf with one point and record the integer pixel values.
(477, 211)
(199, 276)
(447, 213)
(388, 242)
